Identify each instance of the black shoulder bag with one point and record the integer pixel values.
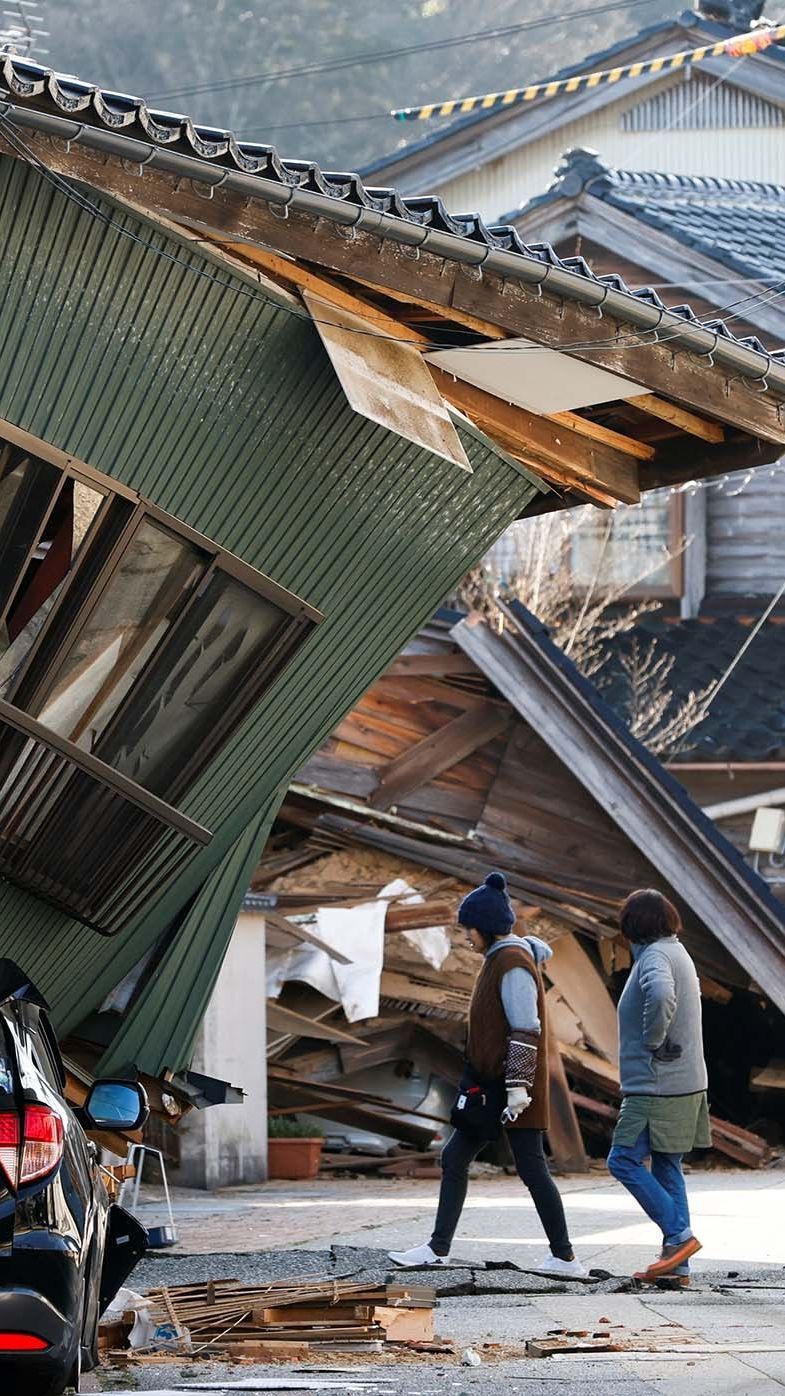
(477, 1111)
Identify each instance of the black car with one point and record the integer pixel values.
(64, 1249)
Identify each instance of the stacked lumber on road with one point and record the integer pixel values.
(294, 1319)
(452, 764)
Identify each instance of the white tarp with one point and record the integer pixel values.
(432, 943)
(357, 931)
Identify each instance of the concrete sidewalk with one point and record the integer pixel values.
(739, 1216)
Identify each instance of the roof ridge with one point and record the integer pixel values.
(582, 169)
(714, 183)
(130, 118)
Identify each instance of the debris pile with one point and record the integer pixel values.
(288, 1320)
(405, 807)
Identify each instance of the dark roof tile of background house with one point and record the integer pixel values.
(738, 222)
(746, 722)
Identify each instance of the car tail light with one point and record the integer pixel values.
(22, 1342)
(9, 1146)
(43, 1142)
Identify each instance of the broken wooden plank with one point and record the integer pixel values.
(564, 1135)
(287, 1021)
(438, 752)
(769, 1078)
(418, 916)
(581, 985)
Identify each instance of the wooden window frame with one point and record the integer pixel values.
(674, 589)
(303, 617)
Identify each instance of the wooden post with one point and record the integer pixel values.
(564, 1136)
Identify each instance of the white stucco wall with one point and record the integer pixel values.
(496, 187)
(227, 1144)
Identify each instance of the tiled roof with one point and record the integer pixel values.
(603, 58)
(746, 722)
(86, 113)
(737, 222)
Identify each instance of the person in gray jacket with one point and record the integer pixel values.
(664, 1112)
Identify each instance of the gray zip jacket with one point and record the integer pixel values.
(660, 1011)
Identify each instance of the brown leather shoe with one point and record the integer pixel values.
(668, 1263)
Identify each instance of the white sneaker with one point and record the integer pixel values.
(418, 1258)
(562, 1269)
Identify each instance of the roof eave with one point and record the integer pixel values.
(564, 284)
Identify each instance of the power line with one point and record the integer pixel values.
(362, 60)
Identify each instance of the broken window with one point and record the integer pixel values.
(128, 643)
(123, 631)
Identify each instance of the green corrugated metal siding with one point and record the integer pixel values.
(226, 412)
(160, 1030)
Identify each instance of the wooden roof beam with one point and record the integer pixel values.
(688, 422)
(438, 752)
(609, 474)
(295, 276)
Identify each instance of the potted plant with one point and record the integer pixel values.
(294, 1147)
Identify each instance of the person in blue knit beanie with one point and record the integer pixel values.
(505, 1085)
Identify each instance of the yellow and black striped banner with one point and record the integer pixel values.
(738, 47)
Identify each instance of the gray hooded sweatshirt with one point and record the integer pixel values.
(660, 1009)
(518, 988)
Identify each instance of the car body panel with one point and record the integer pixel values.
(64, 1248)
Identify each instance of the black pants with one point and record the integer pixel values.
(527, 1148)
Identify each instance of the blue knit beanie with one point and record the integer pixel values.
(488, 909)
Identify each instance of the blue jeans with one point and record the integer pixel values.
(661, 1191)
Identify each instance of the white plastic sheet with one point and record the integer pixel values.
(432, 944)
(358, 932)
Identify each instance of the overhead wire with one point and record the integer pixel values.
(385, 55)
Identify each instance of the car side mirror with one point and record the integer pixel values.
(116, 1105)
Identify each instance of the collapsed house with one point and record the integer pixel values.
(254, 425)
(479, 749)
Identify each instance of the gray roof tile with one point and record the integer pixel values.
(32, 86)
(735, 221)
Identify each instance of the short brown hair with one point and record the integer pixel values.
(647, 916)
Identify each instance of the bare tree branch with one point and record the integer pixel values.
(586, 621)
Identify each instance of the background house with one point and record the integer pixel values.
(685, 236)
(494, 161)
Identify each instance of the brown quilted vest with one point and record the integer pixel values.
(489, 1031)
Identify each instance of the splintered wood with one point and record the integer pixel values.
(431, 781)
(292, 1319)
